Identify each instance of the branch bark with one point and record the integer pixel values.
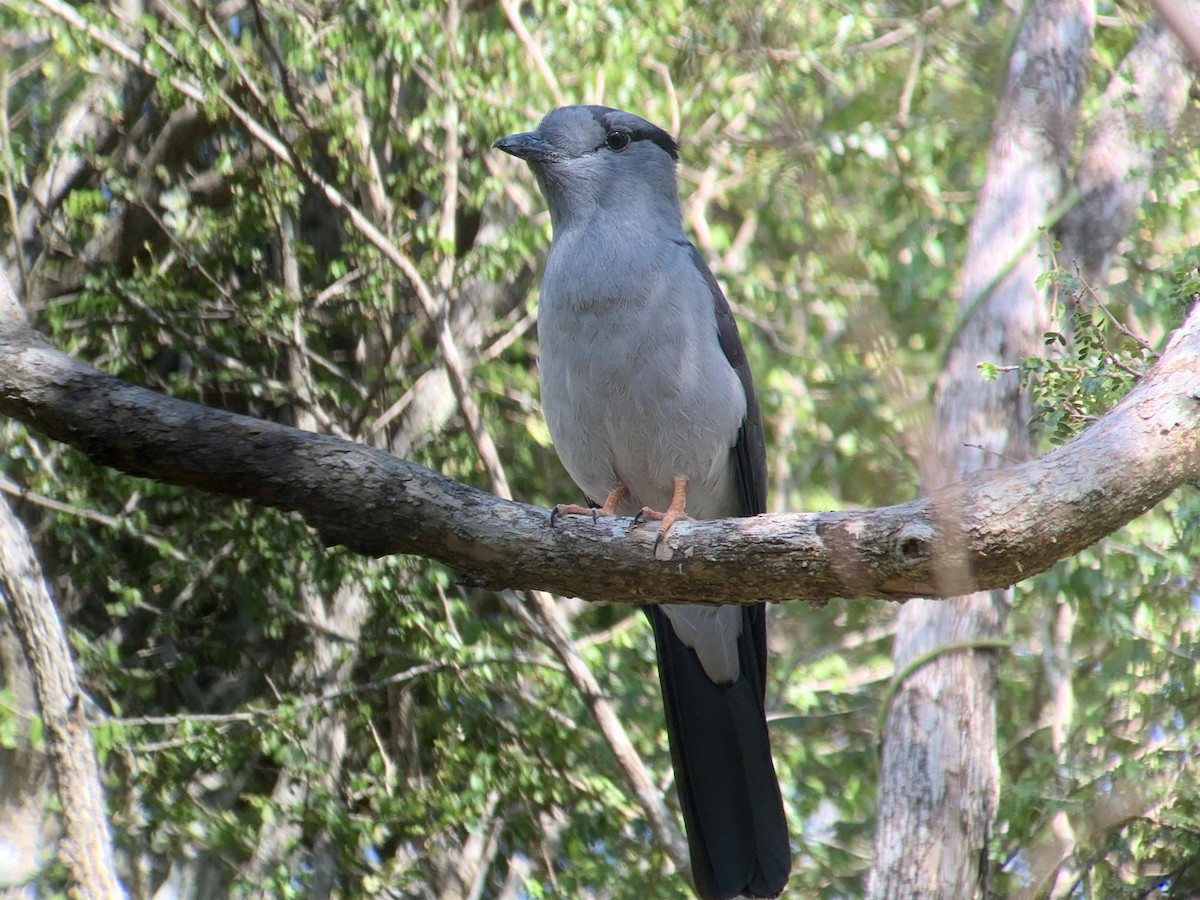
(990, 530)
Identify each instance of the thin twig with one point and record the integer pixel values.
(13, 489)
(1116, 323)
(255, 713)
(512, 10)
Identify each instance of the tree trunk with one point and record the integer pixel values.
(939, 782)
(85, 847)
(28, 827)
(1142, 105)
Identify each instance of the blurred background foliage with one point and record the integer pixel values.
(284, 719)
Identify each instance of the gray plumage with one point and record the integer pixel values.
(644, 381)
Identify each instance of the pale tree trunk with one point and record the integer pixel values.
(28, 827)
(85, 847)
(1141, 107)
(938, 780)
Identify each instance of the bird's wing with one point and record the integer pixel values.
(720, 747)
(712, 631)
(751, 446)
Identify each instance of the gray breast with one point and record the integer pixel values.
(635, 387)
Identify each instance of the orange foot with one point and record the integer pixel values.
(619, 493)
(673, 514)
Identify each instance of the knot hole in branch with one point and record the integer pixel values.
(914, 541)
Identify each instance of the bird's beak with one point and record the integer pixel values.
(527, 146)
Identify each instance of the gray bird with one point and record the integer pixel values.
(650, 403)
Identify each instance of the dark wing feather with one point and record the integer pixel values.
(751, 446)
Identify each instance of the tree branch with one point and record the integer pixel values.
(991, 530)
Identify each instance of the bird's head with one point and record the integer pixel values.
(586, 157)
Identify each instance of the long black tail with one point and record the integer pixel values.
(732, 808)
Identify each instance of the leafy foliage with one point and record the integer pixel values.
(297, 720)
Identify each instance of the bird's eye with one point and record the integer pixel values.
(617, 140)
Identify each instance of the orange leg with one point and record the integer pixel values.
(615, 496)
(673, 513)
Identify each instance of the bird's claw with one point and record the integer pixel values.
(571, 509)
(609, 508)
(673, 513)
(666, 521)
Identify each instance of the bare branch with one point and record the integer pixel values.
(905, 31)
(547, 623)
(996, 528)
(10, 487)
